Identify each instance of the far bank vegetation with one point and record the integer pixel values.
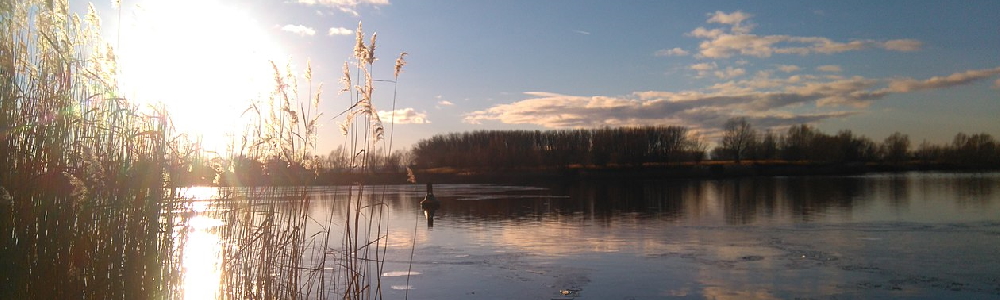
(652, 146)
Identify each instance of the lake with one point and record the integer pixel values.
(910, 236)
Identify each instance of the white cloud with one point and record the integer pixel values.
(404, 116)
(347, 6)
(299, 29)
(902, 45)
(730, 72)
(829, 68)
(445, 103)
(909, 84)
(702, 67)
(711, 68)
(582, 32)
(767, 101)
(701, 32)
(735, 19)
(737, 40)
(339, 31)
(672, 52)
(788, 68)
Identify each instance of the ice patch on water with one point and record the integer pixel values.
(402, 287)
(399, 273)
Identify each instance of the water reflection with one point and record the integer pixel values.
(202, 255)
(749, 238)
(201, 247)
(734, 202)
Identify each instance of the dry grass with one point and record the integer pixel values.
(82, 166)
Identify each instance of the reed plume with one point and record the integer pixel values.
(400, 62)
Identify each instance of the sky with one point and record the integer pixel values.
(929, 69)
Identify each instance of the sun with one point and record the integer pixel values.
(204, 60)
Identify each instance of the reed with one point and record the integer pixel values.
(365, 237)
(270, 251)
(81, 166)
(87, 198)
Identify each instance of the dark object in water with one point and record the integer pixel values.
(429, 205)
(752, 258)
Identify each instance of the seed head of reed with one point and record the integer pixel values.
(360, 51)
(400, 62)
(346, 79)
(370, 59)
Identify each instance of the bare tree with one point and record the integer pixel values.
(738, 137)
(896, 147)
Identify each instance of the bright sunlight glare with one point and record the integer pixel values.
(203, 60)
(202, 249)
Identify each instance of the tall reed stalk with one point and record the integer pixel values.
(365, 239)
(81, 167)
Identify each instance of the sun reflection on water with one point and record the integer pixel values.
(201, 245)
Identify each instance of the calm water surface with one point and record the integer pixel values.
(912, 236)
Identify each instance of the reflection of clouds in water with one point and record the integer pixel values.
(404, 238)
(736, 293)
(797, 237)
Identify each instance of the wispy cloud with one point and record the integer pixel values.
(769, 102)
(404, 116)
(702, 67)
(730, 72)
(582, 32)
(672, 52)
(829, 68)
(299, 29)
(737, 40)
(909, 84)
(347, 6)
(905, 45)
(339, 31)
(788, 68)
(445, 103)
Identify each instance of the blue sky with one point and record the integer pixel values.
(929, 69)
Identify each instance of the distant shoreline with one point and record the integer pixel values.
(707, 170)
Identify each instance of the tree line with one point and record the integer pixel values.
(741, 141)
(513, 149)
